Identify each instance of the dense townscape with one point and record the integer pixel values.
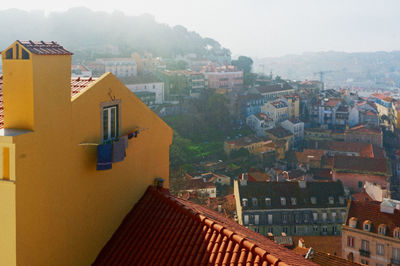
(121, 157)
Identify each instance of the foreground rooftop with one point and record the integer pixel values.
(164, 230)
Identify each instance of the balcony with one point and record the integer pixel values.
(395, 262)
(365, 253)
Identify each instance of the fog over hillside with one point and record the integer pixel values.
(86, 32)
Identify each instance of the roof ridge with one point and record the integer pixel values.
(214, 224)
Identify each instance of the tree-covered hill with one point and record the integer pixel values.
(88, 33)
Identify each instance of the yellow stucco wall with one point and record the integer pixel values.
(66, 210)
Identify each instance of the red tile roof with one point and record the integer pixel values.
(361, 196)
(325, 259)
(198, 183)
(370, 210)
(77, 85)
(360, 164)
(165, 230)
(44, 48)
(364, 129)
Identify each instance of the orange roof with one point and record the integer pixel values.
(326, 259)
(331, 102)
(44, 48)
(364, 129)
(164, 230)
(77, 85)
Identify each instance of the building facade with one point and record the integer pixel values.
(56, 208)
(293, 208)
(371, 233)
(154, 87)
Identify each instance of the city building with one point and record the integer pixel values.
(165, 230)
(354, 171)
(273, 91)
(154, 87)
(56, 208)
(80, 70)
(293, 208)
(364, 134)
(371, 233)
(224, 79)
(149, 98)
(293, 102)
(182, 83)
(254, 145)
(278, 110)
(120, 67)
(251, 103)
(259, 122)
(296, 127)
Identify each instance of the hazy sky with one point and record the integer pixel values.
(264, 27)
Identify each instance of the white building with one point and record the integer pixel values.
(259, 123)
(156, 87)
(296, 127)
(278, 110)
(120, 67)
(80, 70)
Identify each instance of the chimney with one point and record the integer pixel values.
(37, 82)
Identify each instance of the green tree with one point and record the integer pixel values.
(243, 63)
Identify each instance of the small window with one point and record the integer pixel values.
(350, 241)
(270, 218)
(360, 184)
(254, 202)
(396, 232)
(331, 200)
(25, 54)
(367, 225)
(283, 201)
(341, 200)
(382, 229)
(380, 249)
(315, 216)
(246, 219)
(268, 201)
(244, 202)
(285, 218)
(313, 200)
(256, 219)
(324, 216)
(17, 51)
(333, 216)
(293, 201)
(110, 122)
(9, 53)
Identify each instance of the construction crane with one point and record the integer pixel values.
(321, 76)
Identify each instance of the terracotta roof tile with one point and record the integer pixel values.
(165, 230)
(44, 48)
(360, 164)
(77, 85)
(370, 210)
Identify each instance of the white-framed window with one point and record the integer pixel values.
(333, 216)
(270, 219)
(396, 253)
(396, 232)
(382, 229)
(315, 216)
(313, 200)
(110, 122)
(293, 201)
(244, 202)
(284, 218)
(331, 200)
(341, 199)
(254, 201)
(283, 201)
(365, 245)
(246, 219)
(350, 241)
(256, 219)
(268, 201)
(380, 249)
(324, 216)
(367, 226)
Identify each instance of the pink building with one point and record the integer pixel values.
(354, 171)
(224, 77)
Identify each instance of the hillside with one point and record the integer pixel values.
(379, 69)
(91, 34)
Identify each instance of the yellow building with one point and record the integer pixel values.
(293, 102)
(55, 207)
(251, 143)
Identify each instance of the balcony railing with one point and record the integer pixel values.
(395, 262)
(365, 253)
